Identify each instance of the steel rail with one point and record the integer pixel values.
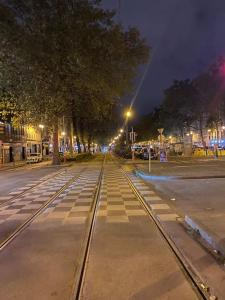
(31, 188)
(85, 248)
(30, 219)
(194, 279)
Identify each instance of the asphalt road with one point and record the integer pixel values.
(192, 187)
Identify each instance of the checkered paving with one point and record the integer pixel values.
(162, 210)
(118, 203)
(26, 187)
(27, 204)
(73, 206)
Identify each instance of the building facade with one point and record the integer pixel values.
(16, 142)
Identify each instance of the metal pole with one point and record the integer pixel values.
(149, 158)
(132, 142)
(127, 141)
(64, 141)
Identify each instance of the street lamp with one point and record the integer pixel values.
(121, 130)
(128, 115)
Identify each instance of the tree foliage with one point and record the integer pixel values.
(66, 58)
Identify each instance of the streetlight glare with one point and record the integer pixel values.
(121, 130)
(128, 114)
(41, 126)
(63, 133)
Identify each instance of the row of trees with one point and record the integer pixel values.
(65, 58)
(190, 105)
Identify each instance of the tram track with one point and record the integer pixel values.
(17, 231)
(193, 279)
(29, 189)
(81, 269)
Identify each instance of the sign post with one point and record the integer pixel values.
(149, 157)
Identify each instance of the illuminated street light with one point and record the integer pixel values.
(63, 133)
(223, 127)
(128, 114)
(209, 130)
(121, 130)
(119, 135)
(41, 126)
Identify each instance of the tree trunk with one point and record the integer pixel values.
(89, 144)
(82, 137)
(71, 137)
(56, 158)
(76, 126)
(83, 142)
(201, 132)
(78, 144)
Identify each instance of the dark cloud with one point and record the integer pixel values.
(186, 36)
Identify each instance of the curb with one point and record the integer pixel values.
(206, 238)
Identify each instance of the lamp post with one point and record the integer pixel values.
(128, 115)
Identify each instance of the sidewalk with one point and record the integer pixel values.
(12, 165)
(19, 164)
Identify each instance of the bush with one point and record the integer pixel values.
(79, 157)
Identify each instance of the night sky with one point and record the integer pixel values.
(186, 37)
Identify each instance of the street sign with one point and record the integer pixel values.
(160, 130)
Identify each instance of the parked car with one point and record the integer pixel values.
(145, 154)
(34, 158)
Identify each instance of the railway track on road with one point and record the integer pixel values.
(81, 271)
(21, 227)
(33, 187)
(195, 281)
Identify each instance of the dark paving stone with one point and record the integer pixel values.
(78, 214)
(116, 213)
(70, 200)
(27, 211)
(133, 207)
(80, 203)
(114, 195)
(116, 202)
(16, 206)
(62, 209)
